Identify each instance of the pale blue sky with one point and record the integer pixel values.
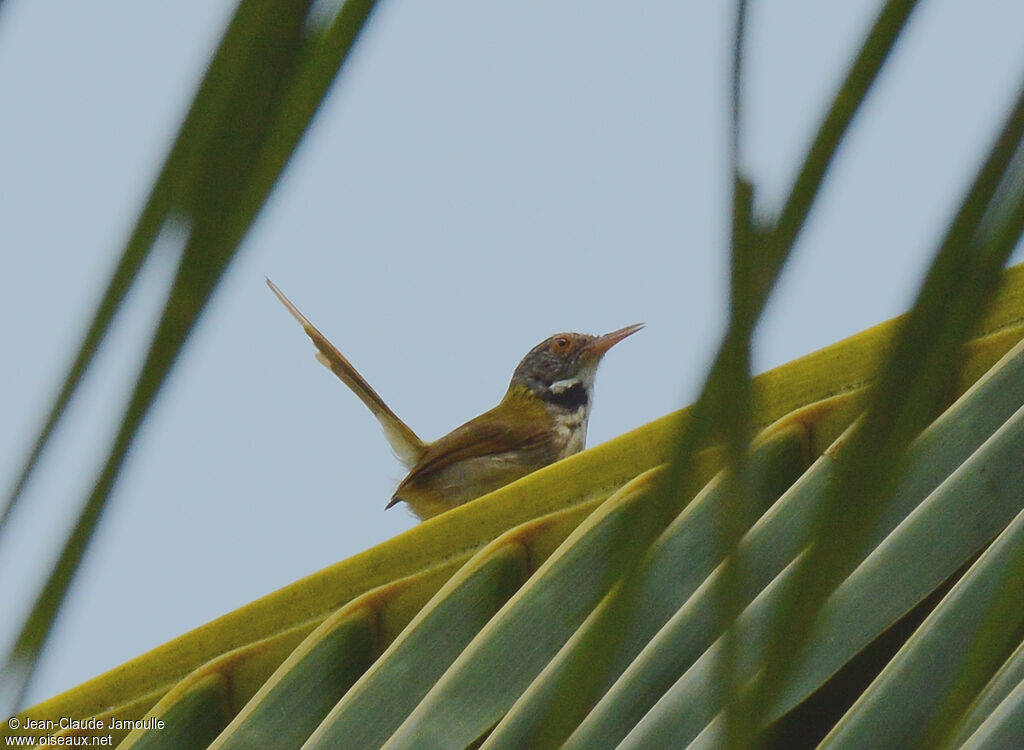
(482, 176)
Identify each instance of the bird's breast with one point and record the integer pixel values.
(569, 431)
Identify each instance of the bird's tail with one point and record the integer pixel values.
(404, 442)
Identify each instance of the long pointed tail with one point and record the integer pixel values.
(404, 442)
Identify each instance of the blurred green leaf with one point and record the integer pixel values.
(783, 532)
(759, 254)
(679, 561)
(676, 666)
(911, 389)
(272, 69)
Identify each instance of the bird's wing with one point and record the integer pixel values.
(404, 442)
(485, 436)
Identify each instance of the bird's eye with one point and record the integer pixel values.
(561, 345)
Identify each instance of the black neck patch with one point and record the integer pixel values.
(571, 399)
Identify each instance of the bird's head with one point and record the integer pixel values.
(560, 370)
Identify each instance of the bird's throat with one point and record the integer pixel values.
(571, 398)
(568, 406)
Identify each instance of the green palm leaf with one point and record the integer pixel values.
(983, 609)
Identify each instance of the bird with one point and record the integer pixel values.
(541, 419)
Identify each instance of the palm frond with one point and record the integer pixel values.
(477, 606)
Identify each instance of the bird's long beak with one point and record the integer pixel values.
(601, 344)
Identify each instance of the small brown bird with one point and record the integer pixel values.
(541, 419)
